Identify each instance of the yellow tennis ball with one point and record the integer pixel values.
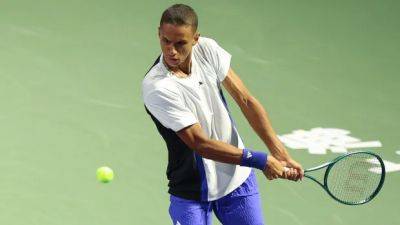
(105, 174)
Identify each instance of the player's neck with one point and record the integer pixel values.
(186, 66)
(183, 70)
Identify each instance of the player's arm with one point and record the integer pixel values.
(194, 137)
(258, 119)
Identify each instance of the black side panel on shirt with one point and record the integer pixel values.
(182, 172)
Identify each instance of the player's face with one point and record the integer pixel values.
(176, 43)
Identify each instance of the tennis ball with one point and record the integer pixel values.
(105, 174)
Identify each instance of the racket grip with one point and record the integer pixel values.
(287, 169)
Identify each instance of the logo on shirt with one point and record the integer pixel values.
(200, 82)
(249, 155)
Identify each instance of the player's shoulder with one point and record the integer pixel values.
(206, 43)
(207, 49)
(158, 82)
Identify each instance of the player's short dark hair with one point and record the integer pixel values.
(180, 14)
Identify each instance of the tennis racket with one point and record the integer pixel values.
(352, 179)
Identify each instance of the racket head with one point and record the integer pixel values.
(355, 178)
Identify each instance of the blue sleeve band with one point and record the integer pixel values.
(254, 159)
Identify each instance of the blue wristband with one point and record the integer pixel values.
(254, 159)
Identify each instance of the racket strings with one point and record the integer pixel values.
(354, 179)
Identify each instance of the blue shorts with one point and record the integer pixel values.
(241, 207)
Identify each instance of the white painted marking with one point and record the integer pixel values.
(338, 149)
(368, 144)
(320, 140)
(398, 152)
(389, 166)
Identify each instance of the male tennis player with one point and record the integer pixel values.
(209, 167)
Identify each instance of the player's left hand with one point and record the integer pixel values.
(294, 170)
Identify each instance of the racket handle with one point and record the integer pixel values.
(286, 169)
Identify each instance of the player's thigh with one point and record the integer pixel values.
(242, 210)
(189, 212)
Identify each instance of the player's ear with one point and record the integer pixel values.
(196, 37)
(159, 31)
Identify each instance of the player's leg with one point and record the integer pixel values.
(239, 210)
(189, 212)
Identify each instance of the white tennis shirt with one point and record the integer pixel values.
(180, 102)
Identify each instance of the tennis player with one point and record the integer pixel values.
(209, 167)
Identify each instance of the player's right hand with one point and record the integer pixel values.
(274, 169)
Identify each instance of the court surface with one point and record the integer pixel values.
(70, 77)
